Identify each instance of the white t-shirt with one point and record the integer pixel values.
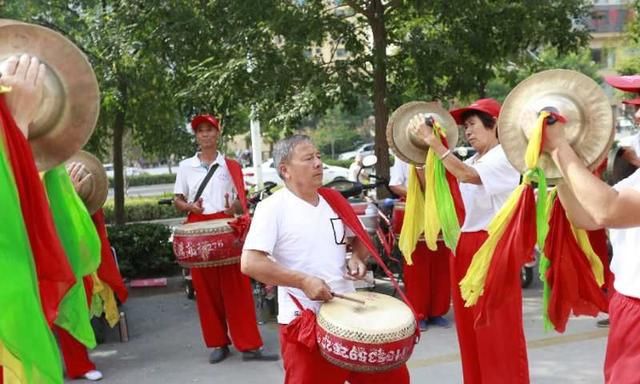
(301, 237)
(625, 263)
(218, 192)
(399, 173)
(482, 202)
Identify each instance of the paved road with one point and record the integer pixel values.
(147, 190)
(166, 347)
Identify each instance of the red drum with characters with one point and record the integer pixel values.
(397, 217)
(372, 337)
(206, 244)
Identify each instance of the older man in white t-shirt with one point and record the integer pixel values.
(216, 287)
(298, 242)
(426, 281)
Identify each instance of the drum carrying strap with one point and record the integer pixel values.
(205, 181)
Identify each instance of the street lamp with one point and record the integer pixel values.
(256, 138)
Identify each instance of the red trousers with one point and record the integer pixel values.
(427, 280)
(622, 361)
(302, 366)
(76, 357)
(225, 304)
(495, 353)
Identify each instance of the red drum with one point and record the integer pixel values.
(206, 244)
(377, 336)
(397, 217)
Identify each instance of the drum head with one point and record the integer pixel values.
(382, 319)
(209, 226)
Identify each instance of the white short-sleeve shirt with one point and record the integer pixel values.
(399, 173)
(625, 263)
(219, 191)
(482, 202)
(301, 237)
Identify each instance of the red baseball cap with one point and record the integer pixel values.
(204, 119)
(624, 83)
(490, 106)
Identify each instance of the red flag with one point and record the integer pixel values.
(55, 276)
(514, 248)
(573, 286)
(108, 270)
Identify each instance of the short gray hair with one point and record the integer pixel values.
(284, 148)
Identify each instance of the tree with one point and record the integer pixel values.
(397, 51)
(134, 69)
(547, 58)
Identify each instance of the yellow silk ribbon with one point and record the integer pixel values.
(472, 285)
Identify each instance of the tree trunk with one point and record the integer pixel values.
(118, 137)
(381, 111)
(118, 175)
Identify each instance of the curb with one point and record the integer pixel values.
(155, 286)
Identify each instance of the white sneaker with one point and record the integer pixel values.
(93, 375)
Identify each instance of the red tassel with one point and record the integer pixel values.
(514, 248)
(573, 286)
(55, 276)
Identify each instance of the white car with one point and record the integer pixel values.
(128, 171)
(364, 150)
(269, 173)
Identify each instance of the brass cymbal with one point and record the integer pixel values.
(405, 144)
(94, 191)
(69, 108)
(589, 127)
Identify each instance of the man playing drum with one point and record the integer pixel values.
(223, 294)
(298, 242)
(592, 204)
(427, 280)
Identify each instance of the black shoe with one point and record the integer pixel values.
(218, 354)
(258, 355)
(604, 323)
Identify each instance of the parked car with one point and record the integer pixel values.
(269, 173)
(128, 171)
(365, 150)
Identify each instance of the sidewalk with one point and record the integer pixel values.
(166, 347)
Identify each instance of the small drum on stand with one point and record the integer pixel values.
(372, 337)
(206, 244)
(397, 217)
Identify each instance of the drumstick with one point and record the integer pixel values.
(344, 297)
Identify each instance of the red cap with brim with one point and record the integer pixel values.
(489, 106)
(204, 119)
(635, 101)
(624, 83)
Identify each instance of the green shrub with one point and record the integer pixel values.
(337, 163)
(134, 181)
(143, 250)
(142, 209)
